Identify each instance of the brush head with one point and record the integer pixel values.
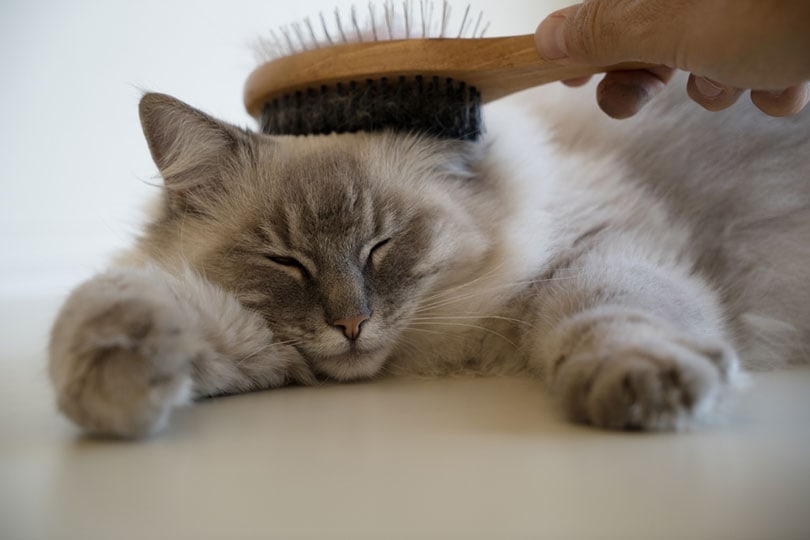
(320, 79)
(440, 107)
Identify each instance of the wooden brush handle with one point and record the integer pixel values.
(497, 66)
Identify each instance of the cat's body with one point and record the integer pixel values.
(628, 264)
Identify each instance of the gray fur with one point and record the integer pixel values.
(632, 266)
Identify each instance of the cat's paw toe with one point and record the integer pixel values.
(121, 366)
(661, 386)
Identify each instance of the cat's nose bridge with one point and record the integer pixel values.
(351, 325)
(345, 302)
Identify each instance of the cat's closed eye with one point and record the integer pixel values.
(289, 262)
(377, 251)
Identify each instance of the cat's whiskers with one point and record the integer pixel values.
(468, 317)
(411, 328)
(407, 346)
(291, 342)
(446, 300)
(256, 352)
(464, 325)
(267, 347)
(449, 290)
(407, 340)
(442, 302)
(446, 297)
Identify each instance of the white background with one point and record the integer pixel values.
(74, 167)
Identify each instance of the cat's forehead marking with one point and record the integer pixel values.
(325, 194)
(328, 185)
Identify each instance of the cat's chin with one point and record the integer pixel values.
(352, 365)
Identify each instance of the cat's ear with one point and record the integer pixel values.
(193, 151)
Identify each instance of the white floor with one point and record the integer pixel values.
(398, 459)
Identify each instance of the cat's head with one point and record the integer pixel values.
(335, 240)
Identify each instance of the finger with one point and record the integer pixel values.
(621, 94)
(582, 34)
(711, 95)
(782, 103)
(604, 33)
(579, 81)
(550, 38)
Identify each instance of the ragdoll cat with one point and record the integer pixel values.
(630, 265)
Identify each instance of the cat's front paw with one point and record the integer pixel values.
(121, 355)
(654, 379)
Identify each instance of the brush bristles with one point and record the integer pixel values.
(439, 107)
(408, 19)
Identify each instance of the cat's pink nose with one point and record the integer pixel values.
(351, 325)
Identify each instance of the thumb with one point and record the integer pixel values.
(597, 32)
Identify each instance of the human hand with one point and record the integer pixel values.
(727, 45)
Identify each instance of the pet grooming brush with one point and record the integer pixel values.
(398, 71)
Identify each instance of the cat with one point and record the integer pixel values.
(637, 267)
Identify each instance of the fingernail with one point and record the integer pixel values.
(707, 87)
(550, 38)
